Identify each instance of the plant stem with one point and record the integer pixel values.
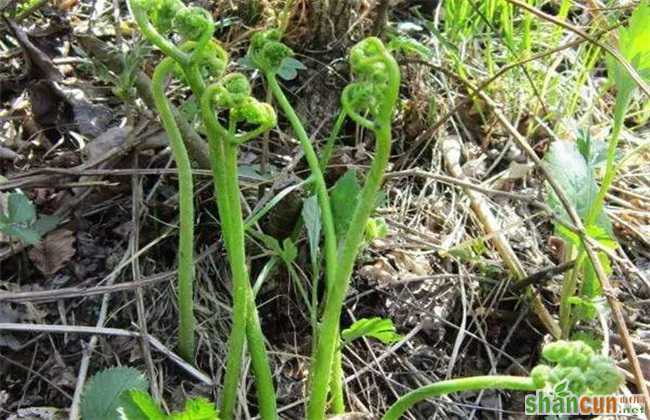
(457, 385)
(336, 381)
(186, 209)
(245, 319)
(317, 175)
(326, 154)
(328, 338)
(569, 286)
(620, 107)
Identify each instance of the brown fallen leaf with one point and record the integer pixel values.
(53, 252)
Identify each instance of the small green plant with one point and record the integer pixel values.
(121, 393)
(20, 220)
(575, 166)
(200, 62)
(370, 102)
(573, 365)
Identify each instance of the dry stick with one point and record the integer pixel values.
(43, 296)
(136, 188)
(87, 351)
(115, 332)
(451, 152)
(628, 67)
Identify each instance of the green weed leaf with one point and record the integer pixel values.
(345, 196)
(289, 251)
(139, 405)
(594, 151)
(380, 328)
(46, 223)
(26, 234)
(576, 178)
(289, 68)
(408, 45)
(20, 209)
(197, 409)
(311, 217)
(102, 394)
(376, 228)
(634, 45)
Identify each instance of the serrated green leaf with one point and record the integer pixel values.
(197, 409)
(289, 68)
(20, 209)
(139, 405)
(380, 328)
(102, 393)
(344, 199)
(26, 234)
(311, 216)
(576, 178)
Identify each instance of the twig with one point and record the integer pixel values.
(90, 347)
(451, 152)
(116, 332)
(544, 275)
(136, 199)
(42, 296)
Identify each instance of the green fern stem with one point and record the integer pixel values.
(186, 209)
(245, 323)
(476, 383)
(317, 176)
(328, 340)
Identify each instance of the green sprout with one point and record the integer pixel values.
(370, 102)
(573, 363)
(233, 94)
(197, 59)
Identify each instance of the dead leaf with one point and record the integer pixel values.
(53, 252)
(59, 109)
(110, 139)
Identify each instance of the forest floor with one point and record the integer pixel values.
(80, 139)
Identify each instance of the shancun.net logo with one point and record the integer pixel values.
(561, 401)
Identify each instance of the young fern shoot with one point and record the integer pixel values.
(196, 60)
(233, 95)
(370, 102)
(197, 27)
(575, 364)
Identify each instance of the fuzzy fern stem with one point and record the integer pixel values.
(475, 383)
(378, 89)
(223, 153)
(186, 209)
